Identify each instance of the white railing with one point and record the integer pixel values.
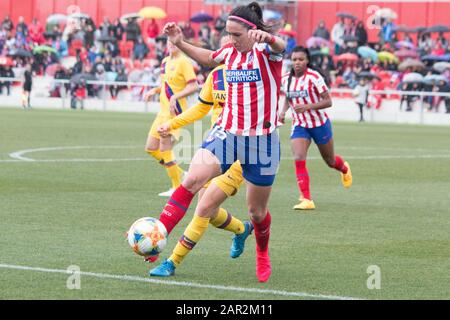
(105, 97)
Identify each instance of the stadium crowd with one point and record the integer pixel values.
(79, 50)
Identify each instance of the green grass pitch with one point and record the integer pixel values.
(72, 206)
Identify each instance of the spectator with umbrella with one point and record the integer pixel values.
(152, 31)
(425, 42)
(438, 50)
(411, 82)
(442, 40)
(336, 35)
(440, 85)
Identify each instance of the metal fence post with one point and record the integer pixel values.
(104, 95)
(421, 108)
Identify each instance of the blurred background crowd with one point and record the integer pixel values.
(79, 49)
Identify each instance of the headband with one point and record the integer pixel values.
(243, 20)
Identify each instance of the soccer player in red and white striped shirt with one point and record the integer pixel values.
(245, 131)
(307, 96)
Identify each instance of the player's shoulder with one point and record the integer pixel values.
(219, 68)
(313, 74)
(228, 46)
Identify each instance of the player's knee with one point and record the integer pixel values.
(330, 161)
(194, 182)
(257, 213)
(206, 209)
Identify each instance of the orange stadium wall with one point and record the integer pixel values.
(305, 18)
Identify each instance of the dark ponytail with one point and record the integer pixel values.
(252, 13)
(309, 65)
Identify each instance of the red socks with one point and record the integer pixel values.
(262, 233)
(302, 178)
(339, 165)
(176, 208)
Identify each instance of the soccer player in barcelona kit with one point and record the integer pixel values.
(178, 80)
(212, 97)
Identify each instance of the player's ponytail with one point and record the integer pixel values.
(250, 16)
(308, 56)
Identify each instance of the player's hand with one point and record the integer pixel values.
(149, 94)
(173, 31)
(173, 106)
(282, 117)
(259, 36)
(301, 108)
(164, 130)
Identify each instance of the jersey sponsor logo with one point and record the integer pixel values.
(242, 76)
(298, 94)
(219, 96)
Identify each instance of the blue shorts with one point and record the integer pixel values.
(321, 135)
(259, 155)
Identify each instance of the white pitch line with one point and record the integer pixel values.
(19, 154)
(187, 160)
(182, 283)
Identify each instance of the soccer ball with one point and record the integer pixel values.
(147, 237)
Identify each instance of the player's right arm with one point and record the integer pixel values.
(197, 112)
(284, 109)
(202, 56)
(149, 94)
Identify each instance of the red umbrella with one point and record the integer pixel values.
(404, 53)
(51, 69)
(347, 57)
(6, 61)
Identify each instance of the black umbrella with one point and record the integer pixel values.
(346, 15)
(349, 38)
(367, 74)
(419, 29)
(201, 17)
(107, 39)
(83, 76)
(21, 53)
(50, 35)
(438, 28)
(403, 29)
